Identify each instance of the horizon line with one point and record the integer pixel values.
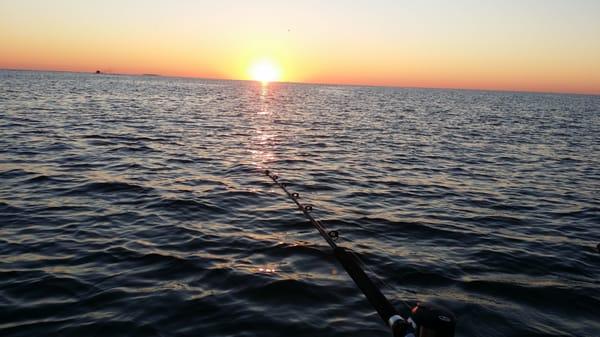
(516, 91)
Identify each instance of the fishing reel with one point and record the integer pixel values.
(425, 320)
(429, 320)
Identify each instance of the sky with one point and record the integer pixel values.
(519, 45)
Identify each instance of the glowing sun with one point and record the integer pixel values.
(264, 71)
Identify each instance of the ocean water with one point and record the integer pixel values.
(136, 206)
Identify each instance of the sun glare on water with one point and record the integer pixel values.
(265, 71)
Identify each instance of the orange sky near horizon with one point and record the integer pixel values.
(528, 45)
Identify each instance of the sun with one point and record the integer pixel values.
(264, 71)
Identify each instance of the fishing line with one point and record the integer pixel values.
(399, 325)
(332, 236)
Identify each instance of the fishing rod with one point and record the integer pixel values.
(425, 320)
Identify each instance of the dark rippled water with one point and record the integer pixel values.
(134, 206)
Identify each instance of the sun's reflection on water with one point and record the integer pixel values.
(264, 102)
(264, 140)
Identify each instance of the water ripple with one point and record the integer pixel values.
(135, 206)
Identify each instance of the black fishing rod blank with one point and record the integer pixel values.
(426, 320)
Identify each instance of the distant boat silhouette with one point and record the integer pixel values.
(98, 72)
